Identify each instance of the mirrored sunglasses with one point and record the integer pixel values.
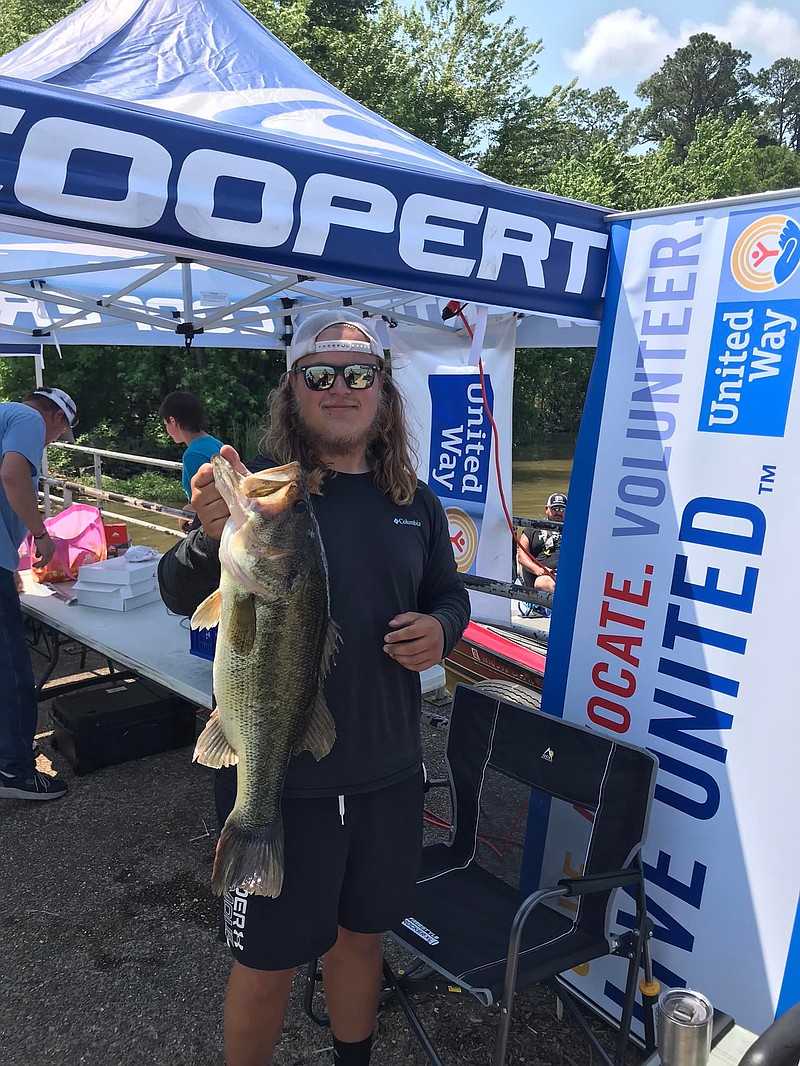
(356, 375)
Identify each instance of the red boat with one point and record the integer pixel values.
(491, 653)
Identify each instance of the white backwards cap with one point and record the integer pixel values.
(304, 339)
(64, 401)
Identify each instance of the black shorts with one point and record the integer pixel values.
(359, 875)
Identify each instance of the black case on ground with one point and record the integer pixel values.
(124, 720)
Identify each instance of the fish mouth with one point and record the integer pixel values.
(270, 491)
(266, 492)
(258, 498)
(278, 479)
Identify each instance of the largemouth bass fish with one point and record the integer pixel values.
(274, 646)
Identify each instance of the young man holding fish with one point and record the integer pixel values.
(351, 801)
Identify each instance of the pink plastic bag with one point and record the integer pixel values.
(79, 538)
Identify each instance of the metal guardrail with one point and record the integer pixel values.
(97, 491)
(508, 590)
(537, 523)
(505, 589)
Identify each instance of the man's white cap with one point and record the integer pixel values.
(66, 403)
(304, 339)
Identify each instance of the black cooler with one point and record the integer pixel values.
(125, 720)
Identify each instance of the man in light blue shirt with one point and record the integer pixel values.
(185, 421)
(25, 429)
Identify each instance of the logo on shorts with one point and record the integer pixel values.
(421, 931)
(548, 755)
(235, 912)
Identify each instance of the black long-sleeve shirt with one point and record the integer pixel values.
(383, 560)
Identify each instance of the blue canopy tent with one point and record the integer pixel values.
(169, 167)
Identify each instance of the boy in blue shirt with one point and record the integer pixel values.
(185, 421)
(25, 428)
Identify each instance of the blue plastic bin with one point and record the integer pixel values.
(203, 642)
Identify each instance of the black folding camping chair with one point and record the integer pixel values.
(480, 932)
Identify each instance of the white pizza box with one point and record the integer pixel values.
(118, 571)
(112, 603)
(116, 597)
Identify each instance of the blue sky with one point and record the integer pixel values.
(603, 43)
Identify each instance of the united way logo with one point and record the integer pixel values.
(766, 254)
(751, 367)
(463, 537)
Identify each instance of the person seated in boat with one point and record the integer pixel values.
(185, 422)
(537, 554)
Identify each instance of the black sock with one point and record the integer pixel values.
(352, 1054)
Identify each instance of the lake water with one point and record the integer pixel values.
(139, 534)
(539, 469)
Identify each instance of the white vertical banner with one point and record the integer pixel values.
(441, 385)
(679, 584)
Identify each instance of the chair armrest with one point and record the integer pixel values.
(515, 937)
(568, 886)
(779, 1045)
(581, 886)
(532, 901)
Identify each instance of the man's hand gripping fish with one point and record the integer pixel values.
(274, 647)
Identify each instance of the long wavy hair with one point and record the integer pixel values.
(390, 453)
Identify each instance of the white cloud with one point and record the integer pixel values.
(767, 31)
(627, 42)
(621, 43)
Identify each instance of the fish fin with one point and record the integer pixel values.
(242, 626)
(207, 614)
(249, 858)
(212, 747)
(332, 639)
(320, 732)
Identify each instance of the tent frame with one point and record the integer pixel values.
(68, 308)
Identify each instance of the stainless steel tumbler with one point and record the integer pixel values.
(684, 1027)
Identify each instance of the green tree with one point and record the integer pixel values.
(776, 167)
(778, 94)
(23, 19)
(720, 161)
(594, 118)
(655, 179)
(549, 390)
(540, 133)
(118, 391)
(451, 69)
(345, 15)
(606, 176)
(527, 142)
(704, 78)
(445, 71)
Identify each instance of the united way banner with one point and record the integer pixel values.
(455, 448)
(675, 626)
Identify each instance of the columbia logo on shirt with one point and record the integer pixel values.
(407, 522)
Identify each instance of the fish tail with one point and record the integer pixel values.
(249, 858)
